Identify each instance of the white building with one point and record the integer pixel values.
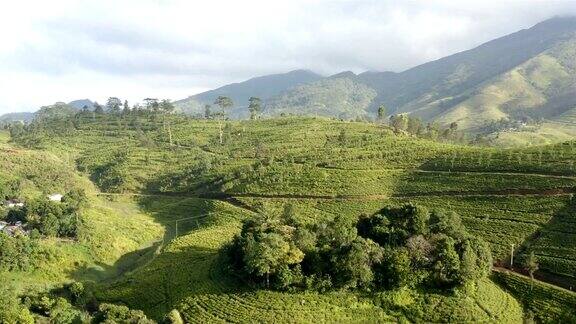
(55, 197)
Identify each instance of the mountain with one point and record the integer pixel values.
(24, 117)
(79, 104)
(528, 73)
(27, 117)
(339, 95)
(263, 87)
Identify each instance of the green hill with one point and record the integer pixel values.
(324, 168)
(109, 230)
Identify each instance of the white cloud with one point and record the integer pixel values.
(64, 49)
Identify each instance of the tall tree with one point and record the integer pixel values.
(414, 125)
(531, 264)
(113, 105)
(151, 104)
(224, 103)
(399, 122)
(126, 109)
(166, 106)
(381, 112)
(98, 108)
(207, 111)
(254, 106)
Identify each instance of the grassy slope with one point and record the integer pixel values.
(188, 276)
(547, 303)
(310, 156)
(109, 231)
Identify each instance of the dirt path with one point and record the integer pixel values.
(540, 276)
(448, 193)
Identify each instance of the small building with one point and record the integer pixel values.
(55, 197)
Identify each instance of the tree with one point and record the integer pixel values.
(126, 110)
(207, 111)
(414, 125)
(399, 122)
(151, 104)
(354, 263)
(268, 253)
(224, 103)
(166, 106)
(254, 106)
(98, 109)
(381, 112)
(11, 310)
(432, 130)
(531, 264)
(113, 105)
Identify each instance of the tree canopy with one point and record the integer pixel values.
(396, 247)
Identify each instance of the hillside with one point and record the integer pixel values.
(263, 87)
(100, 251)
(8, 118)
(339, 96)
(199, 191)
(27, 117)
(529, 74)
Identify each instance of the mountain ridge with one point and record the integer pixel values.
(435, 90)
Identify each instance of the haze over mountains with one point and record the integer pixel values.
(528, 73)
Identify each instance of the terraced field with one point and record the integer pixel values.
(189, 276)
(518, 199)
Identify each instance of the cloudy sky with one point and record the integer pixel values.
(62, 50)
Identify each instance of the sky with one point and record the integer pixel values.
(62, 50)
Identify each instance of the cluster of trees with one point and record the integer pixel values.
(49, 218)
(396, 247)
(115, 106)
(415, 126)
(432, 130)
(73, 303)
(225, 103)
(18, 253)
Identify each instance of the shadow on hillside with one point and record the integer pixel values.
(562, 223)
(178, 215)
(156, 278)
(165, 211)
(101, 272)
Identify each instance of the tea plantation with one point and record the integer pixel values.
(188, 193)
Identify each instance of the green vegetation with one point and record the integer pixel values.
(337, 97)
(544, 303)
(395, 248)
(169, 196)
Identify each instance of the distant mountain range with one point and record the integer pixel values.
(528, 73)
(24, 117)
(27, 117)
